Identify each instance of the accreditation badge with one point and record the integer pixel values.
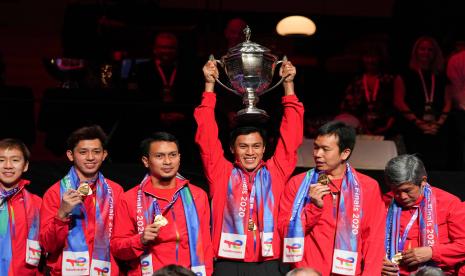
(146, 265)
(33, 252)
(199, 270)
(428, 115)
(344, 262)
(75, 263)
(267, 244)
(100, 268)
(232, 246)
(293, 250)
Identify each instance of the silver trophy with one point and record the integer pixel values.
(250, 68)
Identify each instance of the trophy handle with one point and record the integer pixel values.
(280, 81)
(212, 58)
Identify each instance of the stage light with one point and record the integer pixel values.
(296, 25)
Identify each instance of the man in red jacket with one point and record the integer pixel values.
(76, 218)
(245, 194)
(424, 224)
(332, 217)
(165, 219)
(20, 251)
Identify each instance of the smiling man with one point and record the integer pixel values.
(245, 194)
(165, 219)
(20, 251)
(77, 212)
(424, 225)
(332, 217)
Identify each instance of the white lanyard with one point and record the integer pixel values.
(429, 98)
(367, 91)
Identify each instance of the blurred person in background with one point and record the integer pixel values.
(420, 96)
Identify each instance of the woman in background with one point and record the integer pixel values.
(420, 96)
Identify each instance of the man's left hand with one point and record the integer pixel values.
(417, 255)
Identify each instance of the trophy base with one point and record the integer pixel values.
(251, 115)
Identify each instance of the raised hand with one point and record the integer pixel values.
(210, 71)
(70, 199)
(150, 233)
(389, 268)
(417, 255)
(317, 192)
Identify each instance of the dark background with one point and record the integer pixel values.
(33, 30)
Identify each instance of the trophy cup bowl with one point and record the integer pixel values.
(249, 68)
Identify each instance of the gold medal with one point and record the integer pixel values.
(84, 189)
(397, 258)
(160, 220)
(251, 225)
(323, 179)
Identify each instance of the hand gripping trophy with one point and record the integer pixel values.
(249, 68)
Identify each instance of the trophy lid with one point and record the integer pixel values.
(247, 46)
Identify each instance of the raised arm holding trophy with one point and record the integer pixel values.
(246, 193)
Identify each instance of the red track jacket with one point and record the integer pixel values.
(450, 250)
(54, 231)
(218, 169)
(18, 264)
(126, 243)
(320, 227)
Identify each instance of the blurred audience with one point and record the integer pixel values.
(369, 97)
(165, 81)
(17, 104)
(456, 75)
(420, 96)
(234, 32)
(165, 77)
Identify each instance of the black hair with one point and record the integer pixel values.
(244, 130)
(346, 134)
(86, 133)
(16, 144)
(157, 137)
(174, 270)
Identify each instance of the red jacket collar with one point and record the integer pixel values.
(148, 187)
(260, 165)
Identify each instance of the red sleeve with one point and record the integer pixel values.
(311, 213)
(452, 252)
(291, 136)
(53, 230)
(373, 229)
(204, 219)
(125, 242)
(206, 137)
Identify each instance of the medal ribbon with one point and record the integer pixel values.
(104, 212)
(6, 216)
(349, 215)
(427, 218)
(234, 217)
(191, 216)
